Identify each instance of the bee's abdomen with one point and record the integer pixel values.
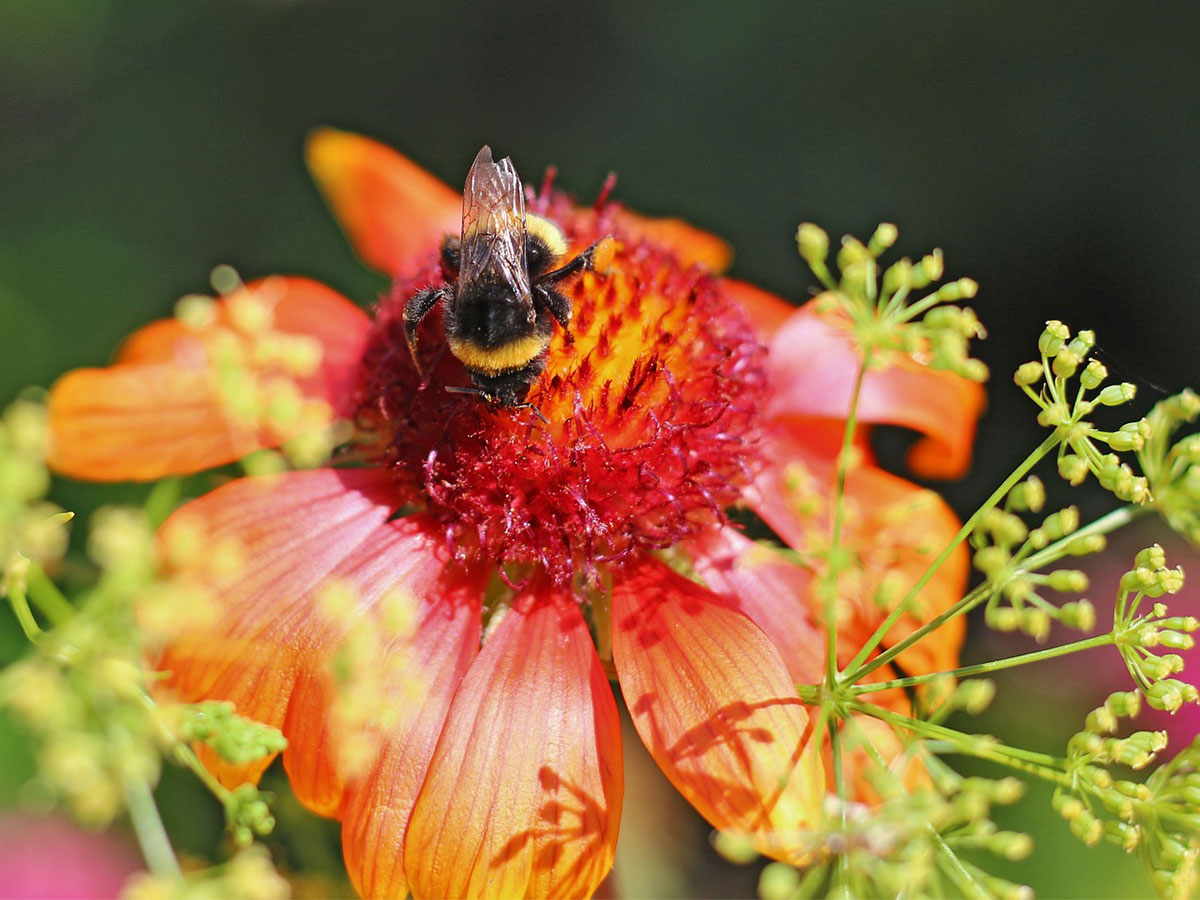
(515, 353)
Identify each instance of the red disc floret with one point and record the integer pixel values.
(650, 401)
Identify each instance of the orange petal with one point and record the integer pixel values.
(814, 364)
(692, 245)
(767, 311)
(159, 411)
(378, 806)
(893, 528)
(394, 212)
(271, 644)
(715, 705)
(769, 589)
(299, 306)
(523, 797)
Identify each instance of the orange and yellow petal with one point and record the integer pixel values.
(393, 211)
(771, 590)
(172, 402)
(293, 564)
(894, 530)
(523, 795)
(378, 805)
(814, 364)
(716, 707)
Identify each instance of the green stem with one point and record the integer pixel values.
(46, 596)
(1039, 764)
(162, 500)
(1048, 554)
(150, 831)
(856, 669)
(830, 578)
(956, 869)
(993, 666)
(187, 757)
(20, 606)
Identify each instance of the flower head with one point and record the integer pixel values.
(492, 568)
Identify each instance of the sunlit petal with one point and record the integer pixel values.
(523, 796)
(716, 707)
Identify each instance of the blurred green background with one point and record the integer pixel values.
(1051, 150)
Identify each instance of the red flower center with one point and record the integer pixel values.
(649, 399)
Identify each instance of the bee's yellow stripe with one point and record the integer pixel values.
(512, 355)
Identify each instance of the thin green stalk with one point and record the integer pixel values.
(830, 578)
(1039, 764)
(150, 831)
(46, 596)
(982, 668)
(1109, 522)
(957, 871)
(856, 670)
(20, 606)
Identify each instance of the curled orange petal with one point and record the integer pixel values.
(814, 364)
(393, 211)
(716, 707)
(523, 796)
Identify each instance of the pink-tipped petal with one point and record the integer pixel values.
(271, 646)
(523, 796)
(814, 365)
(767, 311)
(717, 709)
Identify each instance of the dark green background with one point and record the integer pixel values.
(1051, 149)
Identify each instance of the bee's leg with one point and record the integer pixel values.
(418, 305)
(548, 298)
(596, 256)
(451, 258)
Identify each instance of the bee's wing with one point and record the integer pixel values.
(493, 227)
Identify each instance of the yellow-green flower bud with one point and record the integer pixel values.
(883, 238)
(897, 275)
(778, 881)
(1073, 469)
(1053, 338)
(1093, 376)
(1066, 361)
(1028, 373)
(1116, 394)
(1071, 581)
(1083, 343)
(813, 242)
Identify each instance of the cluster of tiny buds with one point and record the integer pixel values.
(1157, 815)
(1173, 466)
(257, 370)
(1062, 357)
(903, 845)
(1004, 545)
(1138, 637)
(875, 300)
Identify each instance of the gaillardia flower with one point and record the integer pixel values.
(505, 564)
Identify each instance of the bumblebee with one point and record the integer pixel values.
(500, 300)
